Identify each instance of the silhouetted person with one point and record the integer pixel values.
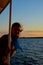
(4, 49)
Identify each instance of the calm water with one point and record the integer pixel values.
(32, 52)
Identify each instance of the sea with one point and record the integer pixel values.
(32, 53)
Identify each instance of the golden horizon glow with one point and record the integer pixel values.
(32, 34)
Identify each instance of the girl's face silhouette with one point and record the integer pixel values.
(16, 30)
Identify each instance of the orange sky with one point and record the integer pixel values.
(32, 34)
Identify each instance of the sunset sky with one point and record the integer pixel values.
(29, 13)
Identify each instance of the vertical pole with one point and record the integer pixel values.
(9, 37)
